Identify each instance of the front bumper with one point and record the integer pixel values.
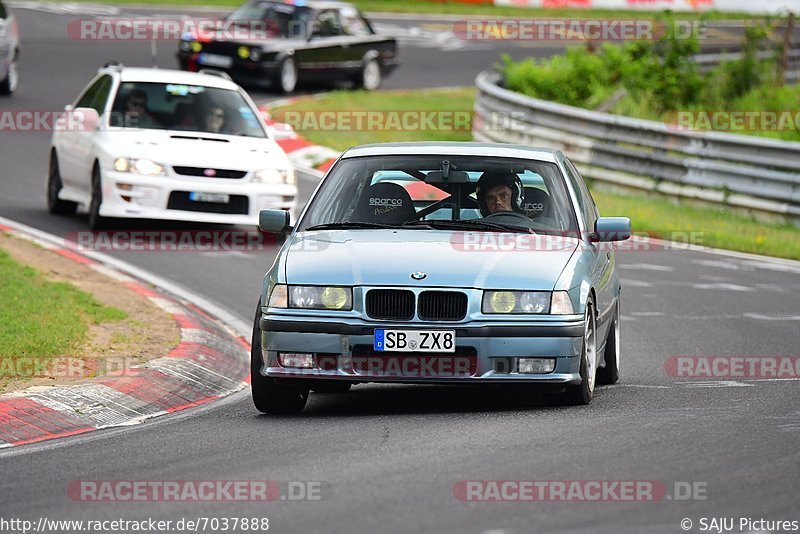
(162, 197)
(485, 352)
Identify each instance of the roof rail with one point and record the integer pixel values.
(217, 73)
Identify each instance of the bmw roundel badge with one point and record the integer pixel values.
(419, 275)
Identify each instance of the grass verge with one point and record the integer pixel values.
(456, 8)
(655, 215)
(42, 319)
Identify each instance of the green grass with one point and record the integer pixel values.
(658, 216)
(42, 319)
(453, 104)
(667, 218)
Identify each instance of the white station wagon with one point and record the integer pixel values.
(165, 144)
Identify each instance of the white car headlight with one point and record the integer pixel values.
(143, 167)
(511, 302)
(311, 297)
(274, 176)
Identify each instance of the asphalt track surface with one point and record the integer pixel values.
(388, 457)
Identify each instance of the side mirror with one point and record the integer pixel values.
(612, 229)
(86, 119)
(274, 221)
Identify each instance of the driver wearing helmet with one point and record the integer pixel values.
(499, 191)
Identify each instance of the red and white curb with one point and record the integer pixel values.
(210, 362)
(303, 154)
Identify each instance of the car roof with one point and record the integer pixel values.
(313, 4)
(453, 149)
(135, 74)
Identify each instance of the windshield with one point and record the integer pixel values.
(282, 20)
(412, 192)
(192, 108)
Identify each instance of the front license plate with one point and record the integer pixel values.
(215, 60)
(415, 340)
(216, 198)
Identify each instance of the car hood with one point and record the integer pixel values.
(196, 149)
(449, 259)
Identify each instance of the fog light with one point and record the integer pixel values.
(536, 366)
(299, 360)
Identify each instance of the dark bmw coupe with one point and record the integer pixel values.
(282, 43)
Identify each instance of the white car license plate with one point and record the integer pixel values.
(217, 198)
(415, 340)
(215, 60)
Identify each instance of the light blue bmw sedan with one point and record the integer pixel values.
(440, 263)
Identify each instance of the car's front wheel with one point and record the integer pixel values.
(610, 373)
(10, 82)
(287, 75)
(582, 393)
(268, 396)
(370, 78)
(55, 205)
(96, 221)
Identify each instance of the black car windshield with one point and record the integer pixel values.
(438, 192)
(281, 20)
(192, 108)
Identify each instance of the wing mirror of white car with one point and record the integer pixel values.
(612, 229)
(86, 119)
(274, 221)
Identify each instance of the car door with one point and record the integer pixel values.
(327, 50)
(76, 150)
(603, 256)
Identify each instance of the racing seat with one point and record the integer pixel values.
(537, 205)
(385, 203)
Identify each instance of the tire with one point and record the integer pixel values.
(331, 386)
(55, 205)
(11, 81)
(610, 373)
(370, 78)
(268, 396)
(286, 80)
(581, 394)
(96, 221)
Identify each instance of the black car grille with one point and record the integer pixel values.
(204, 171)
(237, 205)
(442, 306)
(390, 304)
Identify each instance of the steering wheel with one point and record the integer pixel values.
(508, 217)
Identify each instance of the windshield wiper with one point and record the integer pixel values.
(469, 224)
(351, 226)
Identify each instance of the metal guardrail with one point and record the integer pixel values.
(707, 61)
(734, 170)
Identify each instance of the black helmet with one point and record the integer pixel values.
(491, 179)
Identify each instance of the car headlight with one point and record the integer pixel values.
(312, 297)
(561, 304)
(510, 302)
(144, 167)
(274, 176)
(255, 54)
